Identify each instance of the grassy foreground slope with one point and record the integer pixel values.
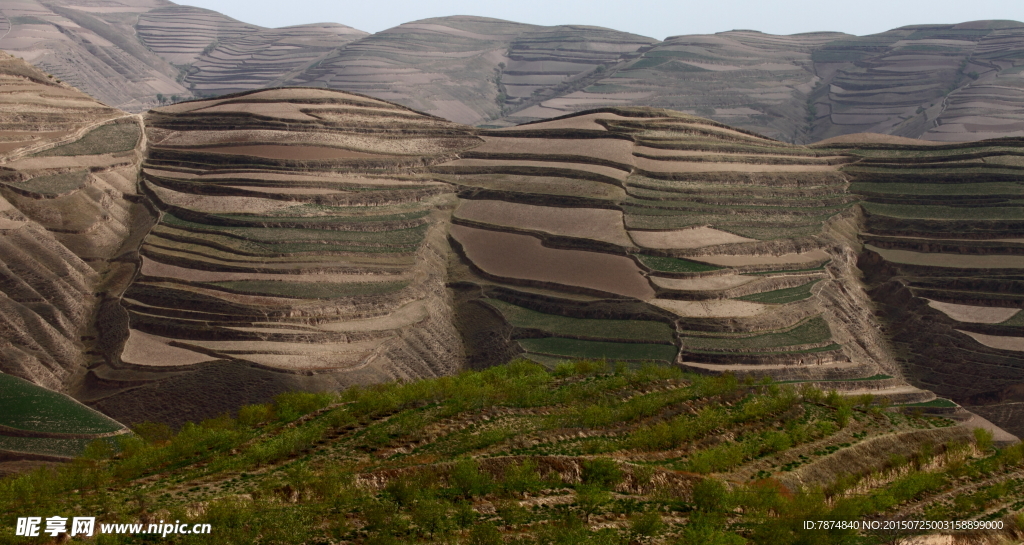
(586, 453)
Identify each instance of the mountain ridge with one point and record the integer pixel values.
(945, 82)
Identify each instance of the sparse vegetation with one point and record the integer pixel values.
(112, 138)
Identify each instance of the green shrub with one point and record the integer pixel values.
(522, 478)
(646, 525)
(466, 480)
(591, 498)
(601, 472)
(290, 406)
(485, 534)
(983, 439)
(255, 415)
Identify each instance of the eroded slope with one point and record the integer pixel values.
(69, 170)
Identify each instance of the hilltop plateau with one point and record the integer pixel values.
(940, 82)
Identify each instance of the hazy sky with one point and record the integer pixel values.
(653, 18)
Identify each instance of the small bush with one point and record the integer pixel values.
(983, 439)
(466, 480)
(602, 472)
(485, 534)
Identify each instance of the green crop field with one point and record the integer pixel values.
(769, 273)
(34, 408)
(55, 184)
(676, 265)
(1009, 210)
(984, 188)
(564, 326)
(783, 296)
(310, 290)
(106, 139)
(48, 446)
(573, 348)
(812, 331)
(412, 235)
(1015, 320)
(312, 213)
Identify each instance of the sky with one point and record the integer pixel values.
(653, 18)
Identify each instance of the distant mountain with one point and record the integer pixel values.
(938, 82)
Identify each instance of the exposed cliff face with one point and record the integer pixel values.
(69, 166)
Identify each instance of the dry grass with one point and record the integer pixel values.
(703, 283)
(146, 349)
(726, 308)
(697, 237)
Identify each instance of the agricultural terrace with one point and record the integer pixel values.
(571, 227)
(943, 254)
(291, 243)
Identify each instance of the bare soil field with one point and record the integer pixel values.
(950, 260)
(269, 151)
(202, 203)
(973, 314)
(497, 163)
(146, 349)
(523, 257)
(282, 110)
(652, 165)
(356, 142)
(697, 237)
(613, 149)
(584, 122)
(1015, 344)
(543, 185)
(592, 223)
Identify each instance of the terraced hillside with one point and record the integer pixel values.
(581, 454)
(943, 240)
(744, 78)
(93, 47)
(638, 234)
(938, 82)
(67, 201)
(295, 248)
(951, 82)
(220, 55)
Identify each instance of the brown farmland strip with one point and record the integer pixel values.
(270, 151)
(523, 257)
(592, 223)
